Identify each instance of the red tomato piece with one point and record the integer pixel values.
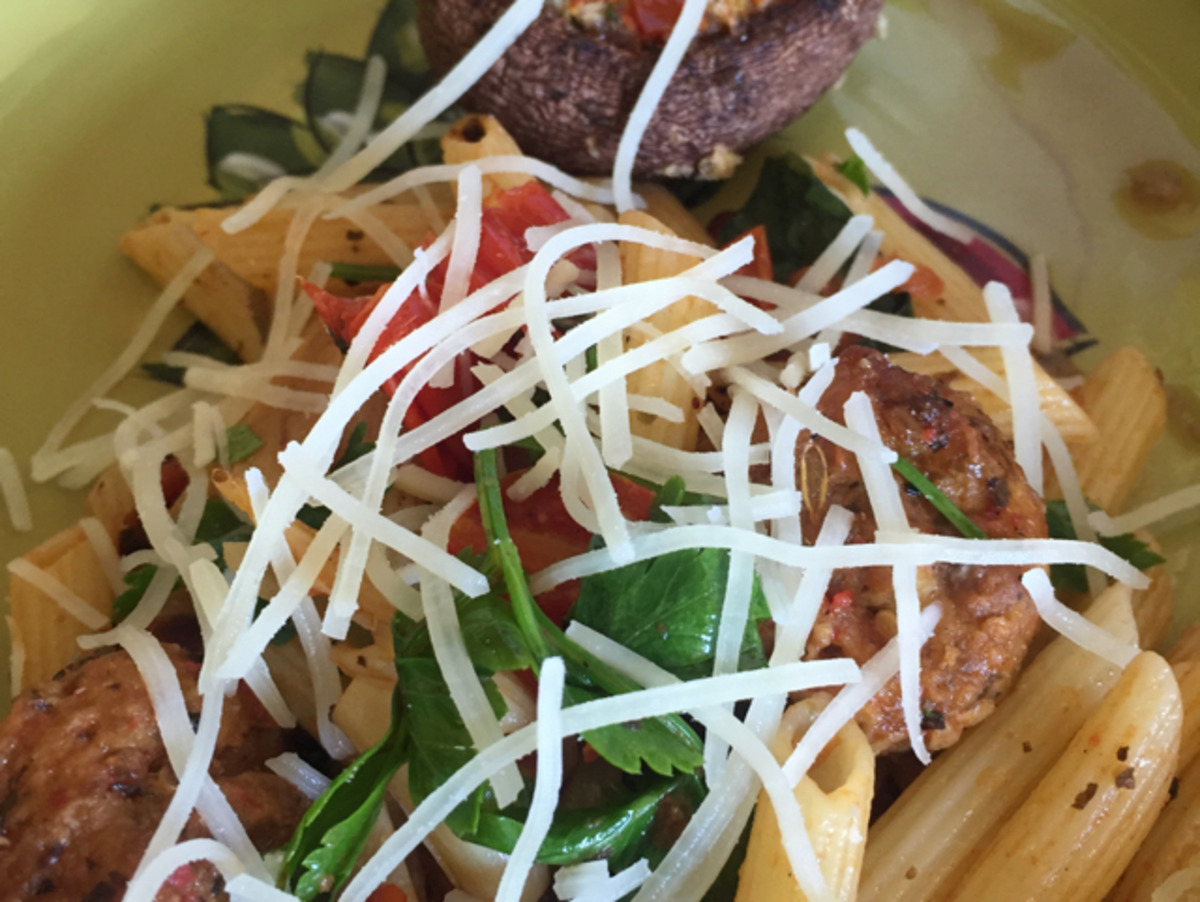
(545, 534)
(656, 18)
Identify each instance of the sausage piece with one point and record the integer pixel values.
(85, 779)
(987, 617)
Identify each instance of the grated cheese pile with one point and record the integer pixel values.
(583, 423)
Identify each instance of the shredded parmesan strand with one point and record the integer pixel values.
(1022, 388)
(685, 29)
(46, 463)
(1074, 625)
(450, 651)
(547, 781)
(61, 595)
(13, 489)
(826, 266)
(886, 173)
(918, 549)
(1153, 512)
(826, 312)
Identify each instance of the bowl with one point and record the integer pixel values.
(1024, 116)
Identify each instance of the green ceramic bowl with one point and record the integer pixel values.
(1024, 114)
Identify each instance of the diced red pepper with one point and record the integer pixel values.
(545, 533)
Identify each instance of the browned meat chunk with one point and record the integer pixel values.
(987, 618)
(84, 780)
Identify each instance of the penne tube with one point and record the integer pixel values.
(475, 137)
(661, 379)
(835, 797)
(666, 208)
(1125, 398)
(289, 670)
(1154, 606)
(923, 844)
(1072, 837)
(961, 299)
(1187, 673)
(1060, 408)
(254, 253)
(1172, 846)
(1187, 646)
(46, 631)
(110, 501)
(233, 308)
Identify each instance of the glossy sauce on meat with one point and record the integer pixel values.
(987, 617)
(84, 780)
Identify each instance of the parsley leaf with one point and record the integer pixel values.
(668, 609)
(1073, 577)
(138, 581)
(855, 170)
(242, 442)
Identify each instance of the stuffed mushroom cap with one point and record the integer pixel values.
(565, 92)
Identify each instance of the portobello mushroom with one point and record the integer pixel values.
(565, 91)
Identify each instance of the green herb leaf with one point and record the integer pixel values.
(246, 147)
(356, 447)
(313, 515)
(856, 171)
(504, 552)
(138, 580)
(327, 843)
(1073, 577)
(801, 215)
(668, 609)
(663, 744)
(614, 832)
(242, 442)
(938, 499)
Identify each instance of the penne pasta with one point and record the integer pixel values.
(1125, 398)
(1072, 837)
(661, 380)
(253, 254)
(475, 137)
(47, 632)
(110, 501)
(1153, 607)
(233, 308)
(835, 797)
(1068, 417)
(1172, 846)
(666, 208)
(922, 845)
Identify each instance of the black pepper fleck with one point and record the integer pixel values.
(1124, 779)
(1123, 753)
(1081, 800)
